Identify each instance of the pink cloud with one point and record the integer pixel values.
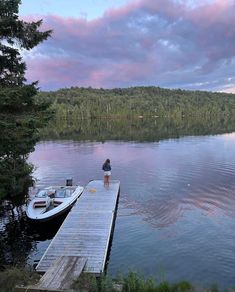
(144, 42)
(230, 89)
(123, 11)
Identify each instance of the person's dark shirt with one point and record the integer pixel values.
(106, 167)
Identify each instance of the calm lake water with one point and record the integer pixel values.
(176, 214)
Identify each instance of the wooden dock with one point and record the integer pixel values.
(87, 229)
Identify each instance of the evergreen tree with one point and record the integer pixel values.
(20, 113)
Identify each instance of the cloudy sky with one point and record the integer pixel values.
(122, 43)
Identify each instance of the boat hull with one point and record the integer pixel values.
(42, 215)
(51, 217)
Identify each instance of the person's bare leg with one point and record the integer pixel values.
(106, 181)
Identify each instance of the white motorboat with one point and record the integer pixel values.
(52, 201)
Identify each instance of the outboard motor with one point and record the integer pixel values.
(69, 182)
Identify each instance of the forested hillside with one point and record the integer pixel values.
(82, 103)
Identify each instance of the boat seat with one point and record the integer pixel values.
(39, 204)
(56, 203)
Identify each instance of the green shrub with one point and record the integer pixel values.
(15, 276)
(88, 282)
(136, 283)
(182, 287)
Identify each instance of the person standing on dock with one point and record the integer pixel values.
(107, 172)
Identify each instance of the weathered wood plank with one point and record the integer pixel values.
(59, 276)
(87, 229)
(34, 289)
(62, 273)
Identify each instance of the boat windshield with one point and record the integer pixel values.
(63, 193)
(41, 194)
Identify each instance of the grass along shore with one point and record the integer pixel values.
(12, 277)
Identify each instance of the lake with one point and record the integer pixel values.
(176, 213)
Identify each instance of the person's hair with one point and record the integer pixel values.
(107, 161)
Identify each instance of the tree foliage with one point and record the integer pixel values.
(20, 113)
(138, 113)
(83, 103)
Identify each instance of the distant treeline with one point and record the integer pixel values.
(85, 103)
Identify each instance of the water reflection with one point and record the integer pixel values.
(19, 236)
(154, 129)
(181, 177)
(162, 212)
(177, 200)
(15, 245)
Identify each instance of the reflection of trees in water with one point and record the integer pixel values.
(18, 235)
(15, 245)
(153, 129)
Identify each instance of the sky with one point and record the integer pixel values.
(124, 43)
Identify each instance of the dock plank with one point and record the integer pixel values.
(62, 273)
(87, 229)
